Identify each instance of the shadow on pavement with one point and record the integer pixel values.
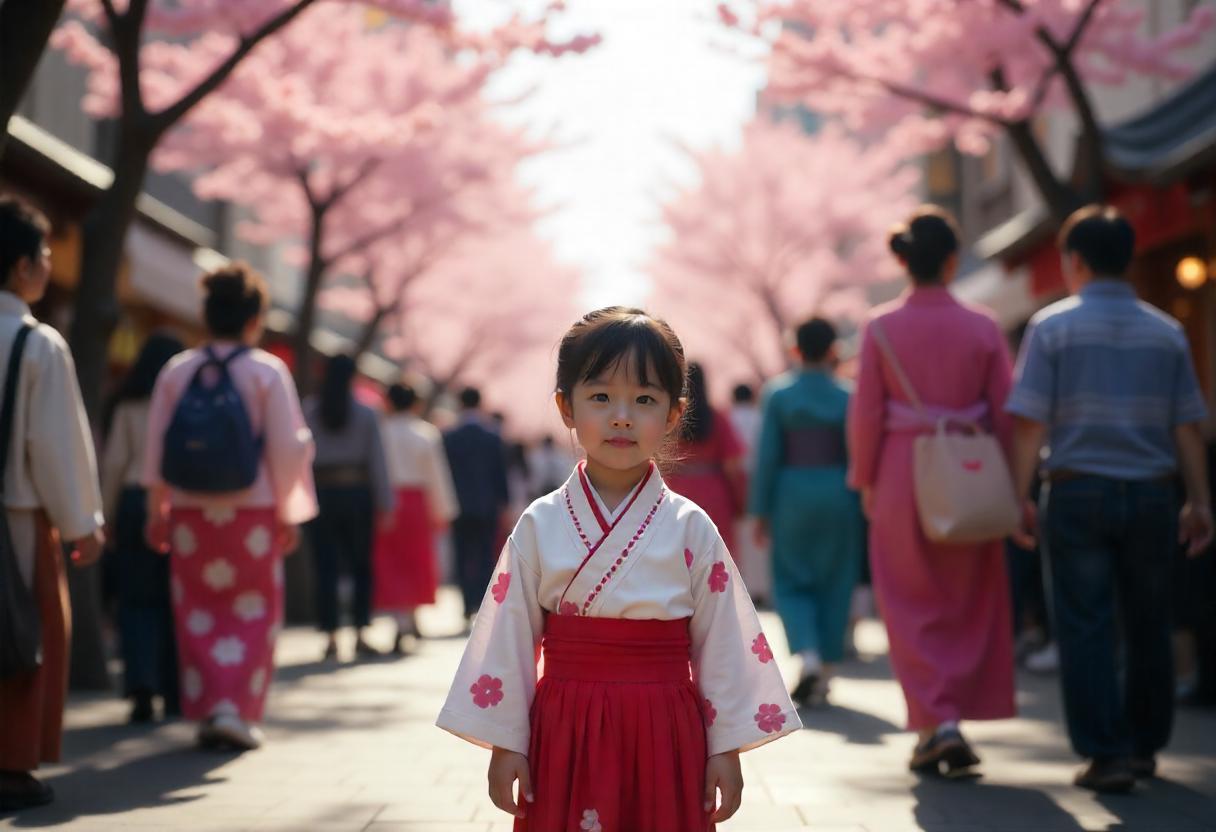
(953, 805)
(858, 727)
(1190, 811)
(140, 783)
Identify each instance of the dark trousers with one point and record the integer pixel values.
(341, 538)
(145, 611)
(473, 542)
(1110, 545)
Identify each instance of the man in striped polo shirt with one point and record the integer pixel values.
(1106, 384)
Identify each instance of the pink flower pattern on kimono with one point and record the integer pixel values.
(499, 590)
(711, 713)
(769, 718)
(760, 647)
(487, 691)
(688, 558)
(718, 577)
(568, 608)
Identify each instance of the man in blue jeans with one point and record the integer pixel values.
(1106, 383)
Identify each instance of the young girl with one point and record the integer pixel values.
(615, 585)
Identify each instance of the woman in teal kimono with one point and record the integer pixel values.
(799, 496)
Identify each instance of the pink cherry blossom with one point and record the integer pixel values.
(743, 264)
(499, 590)
(939, 71)
(688, 558)
(711, 713)
(487, 691)
(769, 718)
(718, 576)
(760, 647)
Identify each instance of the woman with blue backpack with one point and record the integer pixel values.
(228, 468)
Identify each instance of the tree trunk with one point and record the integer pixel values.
(367, 338)
(103, 242)
(94, 318)
(1060, 197)
(306, 318)
(25, 27)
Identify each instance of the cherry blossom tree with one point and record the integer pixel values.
(25, 28)
(152, 62)
(787, 225)
(490, 315)
(347, 138)
(939, 71)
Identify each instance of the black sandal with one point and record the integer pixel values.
(22, 790)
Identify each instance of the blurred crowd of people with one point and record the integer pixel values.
(810, 484)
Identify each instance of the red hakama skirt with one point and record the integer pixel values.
(403, 559)
(618, 735)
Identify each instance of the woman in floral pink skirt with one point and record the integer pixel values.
(227, 547)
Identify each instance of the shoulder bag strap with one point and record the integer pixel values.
(888, 352)
(10, 399)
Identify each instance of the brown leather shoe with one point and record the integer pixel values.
(22, 790)
(1111, 775)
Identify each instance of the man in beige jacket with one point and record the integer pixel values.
(50, 492)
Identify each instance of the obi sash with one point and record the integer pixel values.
(905, 418)
(579, 648)
(814, 447)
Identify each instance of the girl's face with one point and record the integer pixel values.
(620, 421)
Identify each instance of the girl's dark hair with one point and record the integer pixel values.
(402, 397)
(137, 386)
(617, 333)
(233, 296)
(924, 242)
(336, 392)
(23, 228)
(699, 416)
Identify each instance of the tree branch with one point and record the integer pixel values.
(169, 116)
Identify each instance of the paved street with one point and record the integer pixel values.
(352, 747)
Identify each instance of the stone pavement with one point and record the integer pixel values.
(352, 747)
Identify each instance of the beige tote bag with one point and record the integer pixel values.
(964, 492)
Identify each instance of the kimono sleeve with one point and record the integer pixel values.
(768, 459)
(744, 697)
(866, 416)
(289, 451)
(59, 444)
(439, 486)
(492, 693)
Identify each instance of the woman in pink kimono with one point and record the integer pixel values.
(227, 546)
(653, 671)
(946, 607)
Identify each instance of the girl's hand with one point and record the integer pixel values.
(505, 768)
(722, 774)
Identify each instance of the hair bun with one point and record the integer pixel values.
(901, 240)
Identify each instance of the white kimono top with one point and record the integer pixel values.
(416, 459)
(659, 557)
(51, 462)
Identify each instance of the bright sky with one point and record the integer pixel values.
(662, 76)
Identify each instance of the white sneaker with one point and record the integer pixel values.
(1045, 660)
(237, 732)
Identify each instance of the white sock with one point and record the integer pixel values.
(947, 726)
